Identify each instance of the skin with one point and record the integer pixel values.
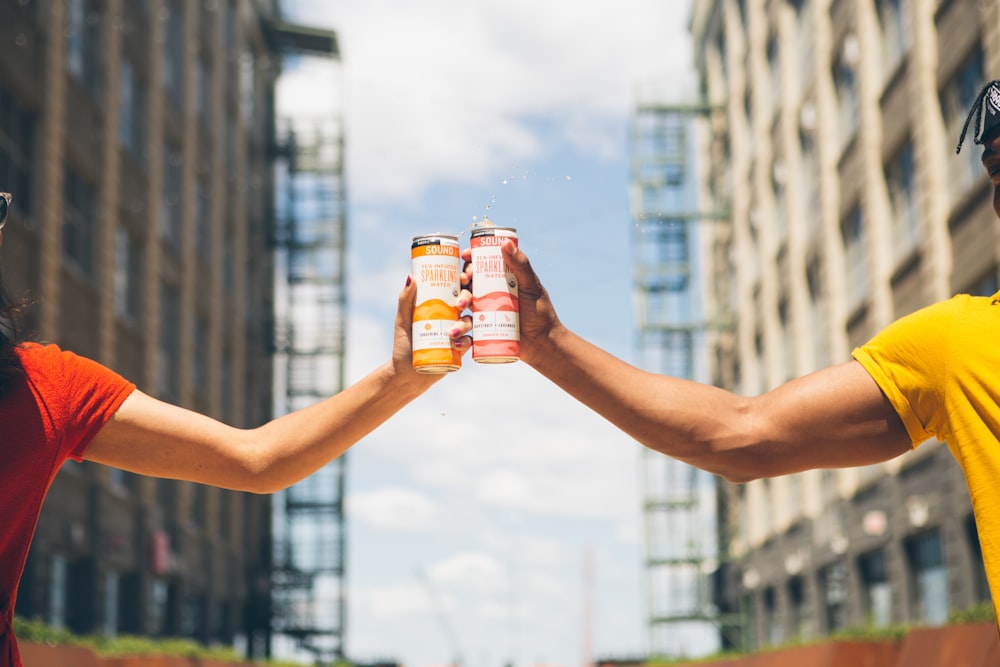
(181, 444)
(991, 162)
(151, 437)
(836, 417)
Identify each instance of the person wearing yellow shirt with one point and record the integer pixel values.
(934, 373)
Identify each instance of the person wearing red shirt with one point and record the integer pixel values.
(55, 405)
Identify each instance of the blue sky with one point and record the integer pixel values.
(468, 534)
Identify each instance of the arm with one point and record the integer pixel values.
(836, 417)
(150, 437)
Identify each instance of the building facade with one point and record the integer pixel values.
(833, 150)
(135, 138)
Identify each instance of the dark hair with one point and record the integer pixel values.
(976, 112)
(11, 335)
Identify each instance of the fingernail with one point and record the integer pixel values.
(461, 303)
(454, 332)
(409, 279)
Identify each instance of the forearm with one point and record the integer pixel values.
(697, 423)
(151, 437)
(293, 446)
(833, 418)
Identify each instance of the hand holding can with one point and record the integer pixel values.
(435, 268)
(495, 313)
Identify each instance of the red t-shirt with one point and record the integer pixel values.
(47, 415)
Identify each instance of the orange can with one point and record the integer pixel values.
(436, 265)
(495, 313)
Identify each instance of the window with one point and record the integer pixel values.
(901, 182)
(787, 340)
(809, 191)
(930, 578)
(817, 315)
(956, 99)
(128, 275)
(799, 604)
(774, 72)
(855, 257)
(876, 589)
(168, 378)
(202, 89)
(157, 611)
(170, 209)
(845, 80)
(79, 222)
(896, 34)
(248, 87)
(111, 594)
(83, 45)
(173, 54)
(202, 222)
(131, 110)
(199, 360)
(17, 129)
(985, 286)
(772, 616)
(806, 37)
(779, 178)
(58, 572)
(834, 582)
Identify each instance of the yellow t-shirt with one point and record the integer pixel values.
(940, 369)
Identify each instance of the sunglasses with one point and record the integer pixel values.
(4, 207)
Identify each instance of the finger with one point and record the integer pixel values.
(464, 343)
(462, 327)
(519, 264)
(464, 300)
(404, 308)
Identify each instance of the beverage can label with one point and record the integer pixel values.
(436, 265)
(496, 330)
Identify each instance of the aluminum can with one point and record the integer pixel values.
(436, 265)
(496, 331)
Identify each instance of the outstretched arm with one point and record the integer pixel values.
(150, 437)
(837, 417)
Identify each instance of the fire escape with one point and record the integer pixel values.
(308, 589)
(683, 516)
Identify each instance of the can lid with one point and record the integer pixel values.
(427, 239)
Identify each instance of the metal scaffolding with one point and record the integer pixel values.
(310, 242)
(680, 502)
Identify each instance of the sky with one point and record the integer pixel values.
(494, 520)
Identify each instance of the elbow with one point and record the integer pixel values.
(256, 471)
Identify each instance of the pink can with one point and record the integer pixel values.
(496, 331)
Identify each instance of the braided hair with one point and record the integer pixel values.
(992, 89)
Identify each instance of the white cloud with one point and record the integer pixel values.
(448, 90)
(393, 509)
(470, 571)
(393, 601)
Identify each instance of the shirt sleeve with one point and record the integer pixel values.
(909, 362)
(93, 394)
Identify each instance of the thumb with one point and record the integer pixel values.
(519, 265)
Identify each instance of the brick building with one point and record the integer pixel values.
(833, 149)
(134, 136)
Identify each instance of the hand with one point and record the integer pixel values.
(537, 315)
(402, 348)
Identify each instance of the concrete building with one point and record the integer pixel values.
(135, 136)
(833, 150)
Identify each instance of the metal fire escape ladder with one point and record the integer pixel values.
(680, 502)
(309, 602)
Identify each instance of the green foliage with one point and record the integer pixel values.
(40, 633)
(983, 612)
